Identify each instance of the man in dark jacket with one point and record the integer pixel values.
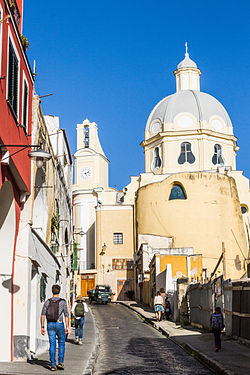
(54, 309)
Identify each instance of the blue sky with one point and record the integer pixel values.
(112, 61)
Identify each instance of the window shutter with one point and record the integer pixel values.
(13, 79)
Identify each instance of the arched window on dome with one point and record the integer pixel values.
(177, 192)
(157, 159)
(217, 156)
(186, 154)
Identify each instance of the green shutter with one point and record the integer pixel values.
(42, 289)
(13, 79)
(74, 263)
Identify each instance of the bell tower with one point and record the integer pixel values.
(91, 164)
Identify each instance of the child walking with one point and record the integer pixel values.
(217, 325)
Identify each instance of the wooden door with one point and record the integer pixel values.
(88, 282)
(122, 287)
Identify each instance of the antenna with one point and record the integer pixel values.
(186, 45)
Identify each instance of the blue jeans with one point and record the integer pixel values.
(56, 329)
(79, 326)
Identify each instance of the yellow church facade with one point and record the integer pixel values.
(190, 201)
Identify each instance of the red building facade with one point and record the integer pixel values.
(16, 91)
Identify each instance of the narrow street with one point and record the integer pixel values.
(130, 346)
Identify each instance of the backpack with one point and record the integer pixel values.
(52, 313)
(217, 321)
(79, 309)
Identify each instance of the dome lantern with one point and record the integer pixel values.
(187, 74)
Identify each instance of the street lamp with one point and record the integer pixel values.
(81, 232)
(40, 156)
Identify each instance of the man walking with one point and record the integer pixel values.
(78, 311)
(54, 309)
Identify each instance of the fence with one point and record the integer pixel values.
(232, 296)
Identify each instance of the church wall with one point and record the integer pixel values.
(209, 216)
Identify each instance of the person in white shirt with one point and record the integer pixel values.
(78, 310)
(158, 304)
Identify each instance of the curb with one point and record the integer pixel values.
(89, 369)
(215, 366)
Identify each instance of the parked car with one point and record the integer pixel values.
(101, 293)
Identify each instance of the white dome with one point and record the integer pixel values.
(189, 109)
(186, 63)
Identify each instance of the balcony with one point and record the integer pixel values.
(14, 11)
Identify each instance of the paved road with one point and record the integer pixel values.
(130, 346)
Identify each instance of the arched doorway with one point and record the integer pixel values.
(7, 242)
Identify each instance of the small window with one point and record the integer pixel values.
(217, 157)
(186, 154)
(118, 238)
(86, 136)
(177, 192)
(25, 105)
(42, 289)
(243, 210)
(13, 80)
(157, 159)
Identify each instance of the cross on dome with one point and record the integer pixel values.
(187, 74)
(187, 62)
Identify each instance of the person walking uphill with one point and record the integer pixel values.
(158, 304)
(217, 324)
(54, 309)
(78, 310)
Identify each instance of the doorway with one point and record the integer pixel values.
(88, 283)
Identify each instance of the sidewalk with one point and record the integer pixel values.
(233, 359)
(78, 358)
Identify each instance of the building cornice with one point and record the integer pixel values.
(186, 133)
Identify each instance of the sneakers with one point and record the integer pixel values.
(80, 342)
(76, 340)
(60, 366)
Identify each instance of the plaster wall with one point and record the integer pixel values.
(209, 216)
(110, 220)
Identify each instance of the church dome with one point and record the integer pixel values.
(187, 110)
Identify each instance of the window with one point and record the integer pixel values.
(157, 159)
(243, 210)
(25, 104)
(42, 289)
(13, 80)
(177, 192)
(118, 238)
(217, 157)
(86, 136)
(186, 154)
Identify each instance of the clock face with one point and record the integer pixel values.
(85, 173)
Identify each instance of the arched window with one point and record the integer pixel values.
(244, 209)
(186, 154)
(157, 159)
(86, 136)
(177, 192)
(217, 157)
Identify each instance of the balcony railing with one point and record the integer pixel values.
(14, 11)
